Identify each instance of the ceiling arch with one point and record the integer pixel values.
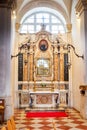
(25, 5)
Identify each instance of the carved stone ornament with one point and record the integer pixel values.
(8, 4)
(81, 6)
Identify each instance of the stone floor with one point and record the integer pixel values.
(73, 122)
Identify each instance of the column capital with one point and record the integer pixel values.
(81, 6)
(8, 4)
(69, 27)
(17, 26)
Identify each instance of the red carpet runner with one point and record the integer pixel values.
(46, 114)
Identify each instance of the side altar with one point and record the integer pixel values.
(45, 96)
(43, 71)
(49, 99)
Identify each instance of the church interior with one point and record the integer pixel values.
(43, 63)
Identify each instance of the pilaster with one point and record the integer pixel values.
(69, 40)
(55, 63)
(5, 56)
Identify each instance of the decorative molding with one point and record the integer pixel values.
(69, 28)
(17, 26)
(80, 7)
(43, 98)
(8, 4)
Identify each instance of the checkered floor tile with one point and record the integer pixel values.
(72, 122)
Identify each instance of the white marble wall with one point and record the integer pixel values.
(83, 32)
(81, 73)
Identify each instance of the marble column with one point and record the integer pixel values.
(55, 63)
(69, 40)
(25, 67)
(31, 64)
(5, 57)
(61, 65)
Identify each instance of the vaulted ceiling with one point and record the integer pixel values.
(63, 6)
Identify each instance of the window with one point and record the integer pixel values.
(31, 22)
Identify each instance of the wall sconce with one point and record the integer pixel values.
(69, 47)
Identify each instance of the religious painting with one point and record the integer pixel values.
(43, 67)
(43, 45)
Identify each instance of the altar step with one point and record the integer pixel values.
(45, 109)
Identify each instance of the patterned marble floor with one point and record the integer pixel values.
(72, 122)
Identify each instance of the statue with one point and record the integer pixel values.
(31, 101)
(57, 100)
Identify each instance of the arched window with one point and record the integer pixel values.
(32, 20)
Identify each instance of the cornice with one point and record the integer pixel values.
(81, 6)
(69, 27)
(8, 4)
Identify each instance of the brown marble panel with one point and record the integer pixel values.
(43, 99)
